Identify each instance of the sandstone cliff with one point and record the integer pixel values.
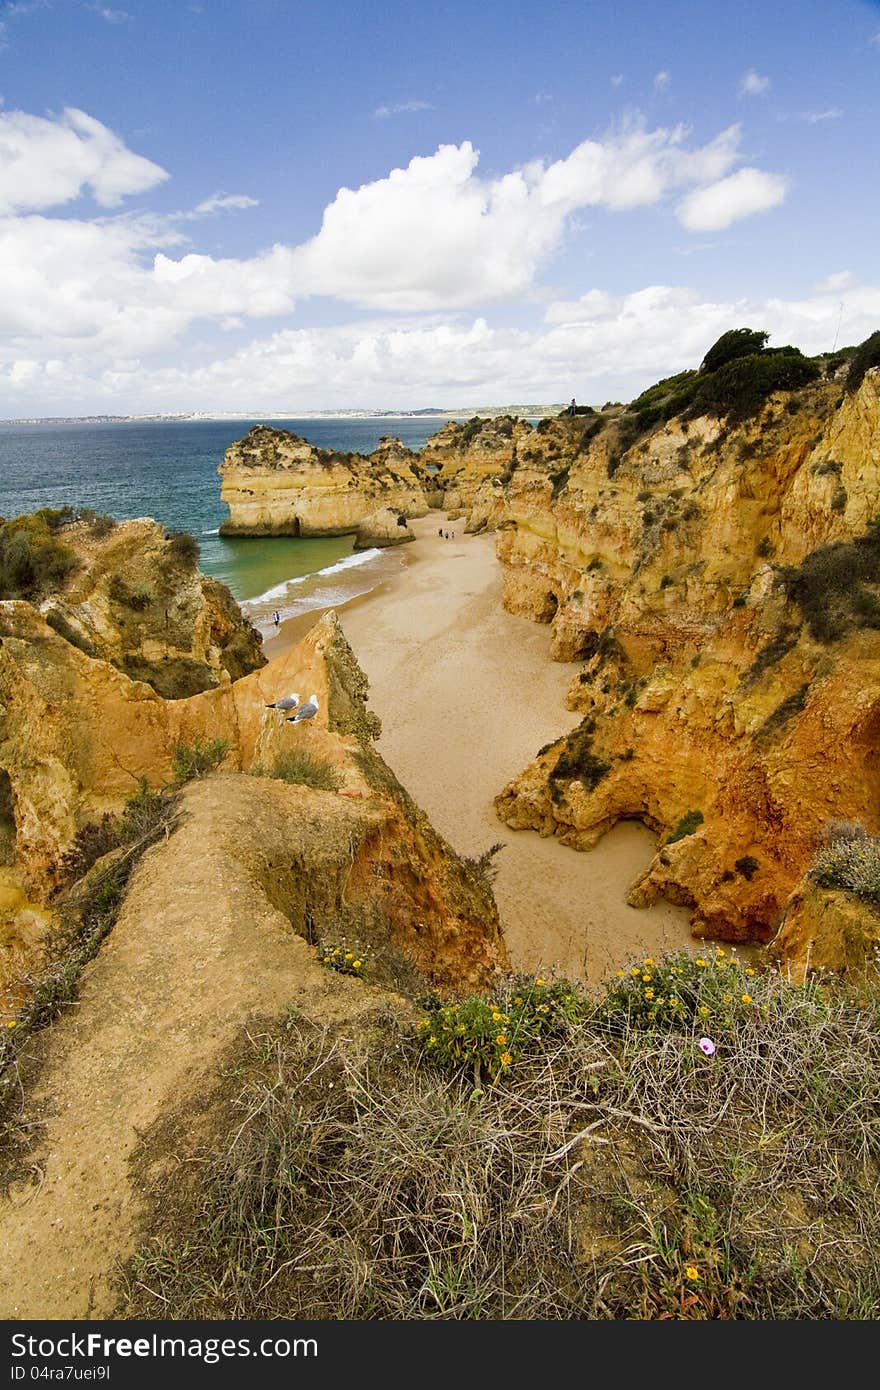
(276, 484)
(719, 582)
(136, 597)
(77, 736)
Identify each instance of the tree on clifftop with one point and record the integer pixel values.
(737, 342)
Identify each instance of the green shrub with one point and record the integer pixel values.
(738, 390)
(135, 599)
(680, 993)
(737, 342)
(484, 1035)
(33, 563)
(835, 585)
(866, 355)
(852, 864)
(183, 549)
(689, 822)
(577, 761)
(301, 768)
(194, 759)
(748, 866)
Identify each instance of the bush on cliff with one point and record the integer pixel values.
(33, 562)
(738, 389)
(836, 586)
(737, 342)
(866, 355)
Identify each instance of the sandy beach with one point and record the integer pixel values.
(467, 694)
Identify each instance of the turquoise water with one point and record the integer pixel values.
(168, 470)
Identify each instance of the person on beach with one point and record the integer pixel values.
(276, 618)
(446, 534)
(440, 532)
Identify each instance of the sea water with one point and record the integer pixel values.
(168, 470)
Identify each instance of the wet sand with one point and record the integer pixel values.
(467, 694)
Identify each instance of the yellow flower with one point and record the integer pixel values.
(11, 1023)
(620, 974)
(356, 965)
(746, 998)
(703, 1011)
(542, 1009)
(539, 982)
(646, 978)
(349, 955)
(505, 1059)
(649, 994)
(647, 961)
(719, 951)
(518, 999)
(700, 961)
(748, 971)
(727, 998)
(496, 1017)
(431, 1040)
(635, 970)
(501, 1040)
(424, 1023)
(691, 1272)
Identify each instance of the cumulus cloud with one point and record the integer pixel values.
(224, 202)
(752, 84)
(739, 195)
(45, 162)
(599, 347)
(840, 280)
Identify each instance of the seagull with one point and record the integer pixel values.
(289, 702)
(306, 711)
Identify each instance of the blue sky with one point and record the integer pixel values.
(275, 206)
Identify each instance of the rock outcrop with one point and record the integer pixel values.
(137, 598)
(720, 583)
(382, 528)
(276, 484)
(77, 737)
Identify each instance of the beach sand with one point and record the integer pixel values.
(467, 694)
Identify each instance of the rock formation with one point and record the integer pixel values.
(382, 528)
(137, 598)
(276, 484)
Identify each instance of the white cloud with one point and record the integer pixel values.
(110, 15)
(224, 202)
(833, 113)
(598, 348)
(752, 84)
(662, 80)
(840, 280)
(739, 195)
(46, 162)
(617, 79)
(383, 112)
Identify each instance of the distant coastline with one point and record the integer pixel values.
(466, 413)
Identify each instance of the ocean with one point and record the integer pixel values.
(168, 470)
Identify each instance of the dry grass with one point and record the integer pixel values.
(610, 1175)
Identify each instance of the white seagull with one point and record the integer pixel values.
(288, 703)
(306, 711)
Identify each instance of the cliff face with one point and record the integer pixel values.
(276, 484)
(76, 736)
(138, 600)
(720, 585)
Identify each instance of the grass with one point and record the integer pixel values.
(303, 769)
(689, 822)
(613, 1172)
(851, 863)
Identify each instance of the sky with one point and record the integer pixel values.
(280, 206)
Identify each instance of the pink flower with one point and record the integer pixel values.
(707, 1046)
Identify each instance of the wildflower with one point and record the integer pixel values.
(727, 998)
(424, 1023)
(748, 971)
(648, 961)
(620, 974)
(646, 978)
(505, 1059)
(543, 1009)
(707, 1047)
(501, 1040)
(691, 1272)
(356, 964)
(703, 1011)
(540, 981)
(11, 1023)
(649, 994)
(431, 1040)
(349, 955)
(720, 951)
(518, 999)
(746, 998)
(496, 1017)
(635, 970)
(700, 961)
